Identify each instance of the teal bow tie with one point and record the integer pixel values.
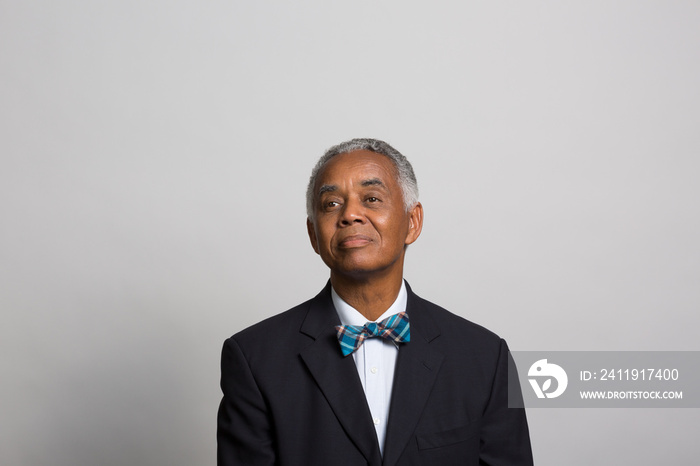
(394, 328)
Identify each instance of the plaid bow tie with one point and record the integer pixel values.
(394, 328)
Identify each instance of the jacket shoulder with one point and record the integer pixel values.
(456, 328)
(275, 328)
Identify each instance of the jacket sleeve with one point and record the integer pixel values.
(505, 439)
(244, 434)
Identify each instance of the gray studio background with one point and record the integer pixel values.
(154, 157)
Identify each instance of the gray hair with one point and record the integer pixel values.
(406, 177)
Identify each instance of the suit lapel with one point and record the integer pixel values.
(337, 376)
(417, 367)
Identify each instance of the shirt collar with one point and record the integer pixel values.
(350, 316)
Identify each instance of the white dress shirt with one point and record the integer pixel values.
(375, 360)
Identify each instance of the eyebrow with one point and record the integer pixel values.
(329, 188)
(373, 182)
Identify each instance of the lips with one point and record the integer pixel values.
(355, 241)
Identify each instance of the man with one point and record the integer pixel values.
(367, 372)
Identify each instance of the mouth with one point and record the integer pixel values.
(355, 241)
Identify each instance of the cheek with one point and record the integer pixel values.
(326, 240)
(394, 230)
(324, 231)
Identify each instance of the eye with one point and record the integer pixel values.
(332, 204)
(372, 199)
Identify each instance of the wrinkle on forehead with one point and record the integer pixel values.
(372, 163)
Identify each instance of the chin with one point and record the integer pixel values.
(359, 269)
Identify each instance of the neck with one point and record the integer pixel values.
(371, 296)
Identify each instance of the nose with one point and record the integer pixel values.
(352, 213)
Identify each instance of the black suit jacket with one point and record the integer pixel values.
(291, 398)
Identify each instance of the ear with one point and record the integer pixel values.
(415, 223)
(312, 234)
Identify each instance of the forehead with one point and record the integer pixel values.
(358, 166)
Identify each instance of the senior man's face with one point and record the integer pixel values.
(361, 225)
